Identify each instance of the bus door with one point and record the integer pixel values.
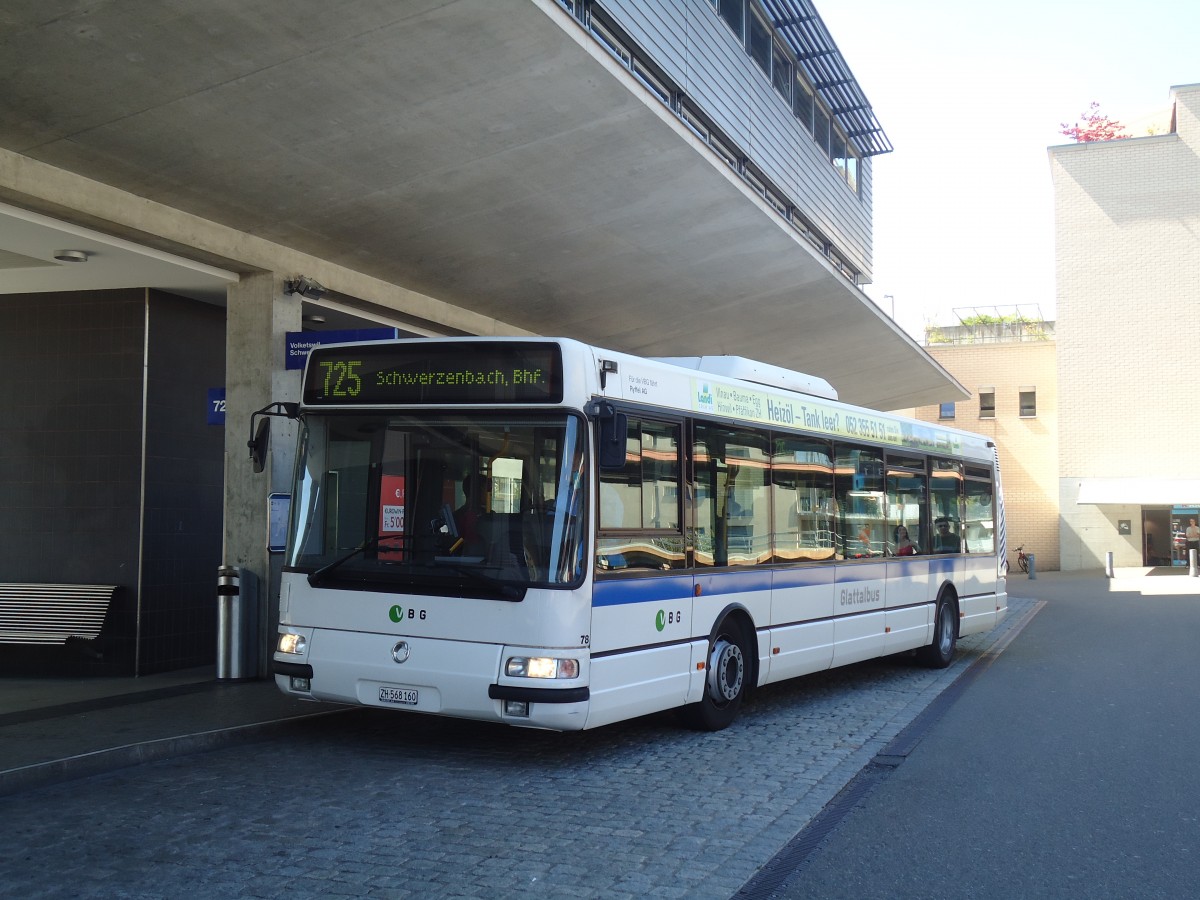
(642, 615)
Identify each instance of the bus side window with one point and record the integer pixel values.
(979, 536)
(802, 488)
(643, 500)
(733, 525)
(858, 486)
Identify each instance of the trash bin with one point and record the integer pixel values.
(237, 624)
(1032, 565)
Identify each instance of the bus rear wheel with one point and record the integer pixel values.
(728, 672)
(940, 652)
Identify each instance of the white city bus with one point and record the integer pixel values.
(547, 534)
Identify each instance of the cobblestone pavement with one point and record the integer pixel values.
(387, 804)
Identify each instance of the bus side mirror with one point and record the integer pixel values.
(261, 433)
(259, 444)
(611, 427)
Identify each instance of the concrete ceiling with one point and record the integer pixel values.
(482, 152)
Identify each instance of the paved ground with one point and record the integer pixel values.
(1067, 770)
(366, 803)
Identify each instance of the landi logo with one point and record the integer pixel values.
(704, 397)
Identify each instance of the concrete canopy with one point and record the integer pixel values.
(486, 153)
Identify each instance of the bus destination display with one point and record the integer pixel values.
(434, 373)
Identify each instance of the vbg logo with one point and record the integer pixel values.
(399, 614)
(664, 618)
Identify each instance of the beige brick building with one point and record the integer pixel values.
(1108, 457)
(1012, 374)
(1127, 236)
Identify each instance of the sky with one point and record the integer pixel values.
(971, 95)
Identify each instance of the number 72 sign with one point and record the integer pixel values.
(216, 406)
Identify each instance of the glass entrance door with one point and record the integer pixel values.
(1181, 518)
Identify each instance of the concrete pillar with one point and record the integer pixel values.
(258, 316)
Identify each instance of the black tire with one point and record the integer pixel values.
(727, 678)
(940, 652)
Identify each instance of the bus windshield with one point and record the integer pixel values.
(476, 503)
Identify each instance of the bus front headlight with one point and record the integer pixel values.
(541, 667)
(293, 643)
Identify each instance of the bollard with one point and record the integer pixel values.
(1192, 563)
(1108, 564)
(1032, 566)
(237, 625)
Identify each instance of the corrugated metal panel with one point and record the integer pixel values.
(696, 50)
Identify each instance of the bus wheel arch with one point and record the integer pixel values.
(939, 653)
(731, 670)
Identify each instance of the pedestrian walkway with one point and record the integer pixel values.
(57, 729)
(1157, 581)
(1067, 770)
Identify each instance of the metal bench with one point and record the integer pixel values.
(52, 613)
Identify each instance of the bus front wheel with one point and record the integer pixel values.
(940, 652)
(727, 675)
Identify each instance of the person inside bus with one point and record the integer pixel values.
(468, 516)
(945, 540)
(904, 544)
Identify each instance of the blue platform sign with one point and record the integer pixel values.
(300, 342)
(216, 406)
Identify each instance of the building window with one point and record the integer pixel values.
(987, 404)
(946, 410)
(821, 130)
(852, 171)
(1028, 402)
(759, 43)
(837, 151)
(802, 103)
(781, 71)
(732, 11)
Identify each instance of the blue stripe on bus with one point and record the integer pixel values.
(738, 581)
(804, 576)
(660, 588)
(934, 565)
(641, 590)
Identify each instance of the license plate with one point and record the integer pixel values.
(404, 696)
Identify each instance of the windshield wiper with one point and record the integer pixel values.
(368, 544)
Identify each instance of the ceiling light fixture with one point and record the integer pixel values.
(72, 256)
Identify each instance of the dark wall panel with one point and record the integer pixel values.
(184, 485)
(70, 459)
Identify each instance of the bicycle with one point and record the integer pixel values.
(1022, 559)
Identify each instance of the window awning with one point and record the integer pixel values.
(1140, 491)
